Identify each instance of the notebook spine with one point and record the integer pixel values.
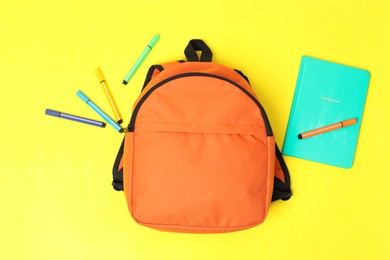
(296, 93)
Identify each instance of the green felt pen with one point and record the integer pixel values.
(141, 59)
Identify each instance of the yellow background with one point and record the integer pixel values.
(56, 199)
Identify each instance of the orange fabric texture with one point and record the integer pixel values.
(199, 159)
(206, 67)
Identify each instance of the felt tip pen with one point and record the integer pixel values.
(109, 96)
(327, 128)
(141, 59)
(100, 112)
(79, 119)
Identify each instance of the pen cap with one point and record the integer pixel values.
(52, 112)
(99, 74)
(348, 122)
(82, 96)
(155, 39)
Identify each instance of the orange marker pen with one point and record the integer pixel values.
(109, 96)
(327, 128)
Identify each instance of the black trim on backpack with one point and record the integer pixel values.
(282, 190)
(117, 174)
(150, 74)
(242, 75)
(131, 126)
(198, 45)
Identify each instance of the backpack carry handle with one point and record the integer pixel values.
(198, 45)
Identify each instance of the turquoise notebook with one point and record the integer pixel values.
(326, 93)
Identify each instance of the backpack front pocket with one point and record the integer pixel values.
(188, 179)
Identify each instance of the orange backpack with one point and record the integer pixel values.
(199, 155)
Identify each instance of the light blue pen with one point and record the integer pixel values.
(106, 117)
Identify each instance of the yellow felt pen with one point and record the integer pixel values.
(109, 96)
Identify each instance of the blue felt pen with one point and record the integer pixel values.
(79, 119)
(95, 108)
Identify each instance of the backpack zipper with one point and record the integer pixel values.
(198, 74)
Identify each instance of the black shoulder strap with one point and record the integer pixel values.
(282, 188)
(117, 170)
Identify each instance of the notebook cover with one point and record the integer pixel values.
(326, 93)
